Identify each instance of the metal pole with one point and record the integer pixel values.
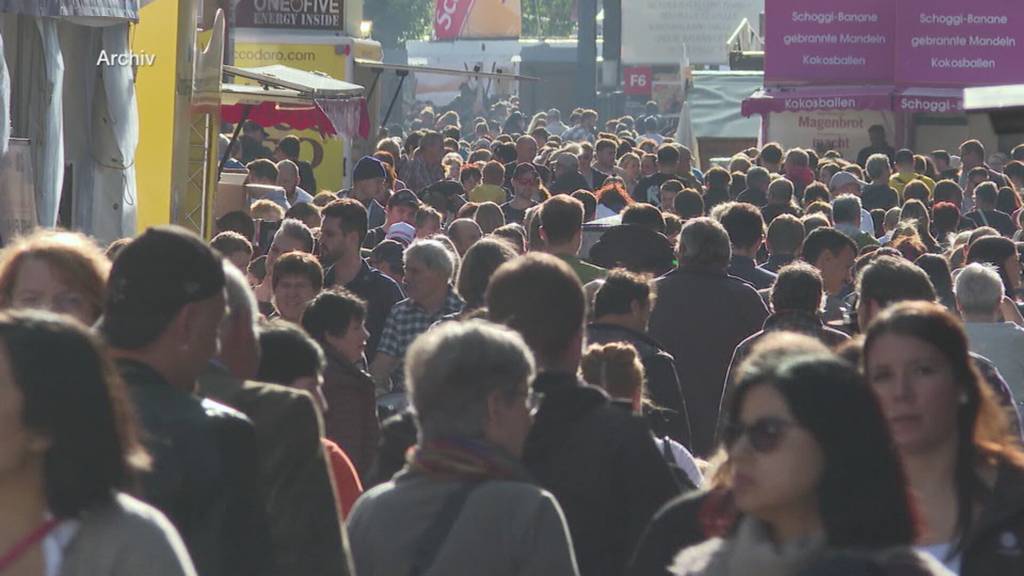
(402, 75)
(234, 138)
(586, 54)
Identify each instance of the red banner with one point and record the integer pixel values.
(450, 18)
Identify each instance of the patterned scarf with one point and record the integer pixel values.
(464, 459)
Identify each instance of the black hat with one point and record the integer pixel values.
(252, 126)
(152, 279)
(390, 251)
(404, 197)
(367, 168)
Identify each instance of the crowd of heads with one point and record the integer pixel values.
(494, 218)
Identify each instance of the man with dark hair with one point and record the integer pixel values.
(1014, 171)
(288, 149)
(796, 305)
(589, 202)
(262, 171)
(622, 309)
(667, 195)
(888, 280)
(745, 226)
(304, 527)
(879, 145)
(604, 156)
(234, 248)
(758, 180)
(464, 232)
(341, 236)
(943, 165)
(770, 158)
(649, 187)
(780, 200)
(833, 254)
(688, 204)
(644, 215)
(972, 155)
(237, 221)
(251, 142)
(701, 293)
(298, 278)
(402, 207)
(784, 239)
(561, 228)
(906, 173)
(985, 213)
(577, 434)
(164, 306)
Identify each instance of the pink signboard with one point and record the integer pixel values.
(929, 100)
(835, 42)
(818, 99)
(957, 43)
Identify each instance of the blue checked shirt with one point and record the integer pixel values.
(405, 322)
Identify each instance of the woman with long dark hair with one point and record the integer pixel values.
(812, 469)
(965, 469)
(68, 451)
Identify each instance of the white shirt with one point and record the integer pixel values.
(55, 543)
(940, 553)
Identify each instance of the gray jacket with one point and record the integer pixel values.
(504, 528)
(126, 538)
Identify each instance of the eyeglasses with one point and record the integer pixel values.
(764, 435)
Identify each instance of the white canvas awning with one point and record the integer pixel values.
(93, 12)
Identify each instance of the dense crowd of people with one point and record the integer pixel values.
(523, 346)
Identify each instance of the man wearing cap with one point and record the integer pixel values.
(341, 235)
(251, 140)
(402, 207)
(905, 173)
(162, 315)
(844, 182)
(425, 167)
(369, 180)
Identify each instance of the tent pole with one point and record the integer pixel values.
(234, 138)
(401, 74)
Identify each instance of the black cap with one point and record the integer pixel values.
(404, 197)
(252, 126)
(152, 279)
(367, 168)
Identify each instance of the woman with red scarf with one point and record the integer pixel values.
(464, 503)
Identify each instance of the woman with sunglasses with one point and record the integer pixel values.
(67, 451)
(964, 467)
(812, 470)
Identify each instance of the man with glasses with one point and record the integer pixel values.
(526, 188)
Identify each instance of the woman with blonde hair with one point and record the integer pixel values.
(60, 271)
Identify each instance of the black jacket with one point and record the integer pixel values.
(995, 543)
(745, 268)
(205, 474)
(380, 293)
(669, 417)
(602, 465)
(676, 525)
(297, 491)
(569, 183)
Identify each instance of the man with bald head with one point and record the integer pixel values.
(288, 178)
(464, 232)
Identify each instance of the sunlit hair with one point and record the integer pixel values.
(73, 257)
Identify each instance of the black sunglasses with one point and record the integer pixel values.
(764, 435)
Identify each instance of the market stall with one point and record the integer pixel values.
(832, 71)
